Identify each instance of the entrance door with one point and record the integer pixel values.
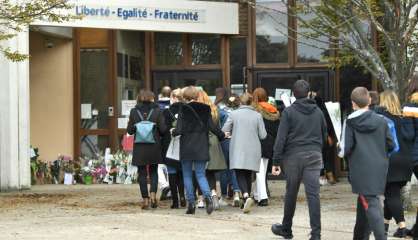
(320, 81)
(97, 110)
(111, 73)
(209, 80)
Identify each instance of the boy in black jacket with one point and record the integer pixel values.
(298, 148)
(366, 141)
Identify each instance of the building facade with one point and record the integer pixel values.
(83, 79)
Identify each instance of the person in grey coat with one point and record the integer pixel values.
(246, 127)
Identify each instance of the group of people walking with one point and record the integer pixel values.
(231, 139)
(238, 139)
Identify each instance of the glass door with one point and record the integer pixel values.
(130, 76)
(96, 106)
(283, 80)
(110, 78)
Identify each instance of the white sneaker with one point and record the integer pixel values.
(323, 181)
(200, 203)
(237, 200)
(215, 200)
(248, 205)
(223, 202)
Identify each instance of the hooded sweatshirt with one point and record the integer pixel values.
(271, 123)
(366, 141)
(302, 129)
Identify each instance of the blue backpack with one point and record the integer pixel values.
(145, 129)
(392, 129)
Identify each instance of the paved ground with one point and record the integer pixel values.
(113, 212)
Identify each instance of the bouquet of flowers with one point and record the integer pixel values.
(67, 164)
(99, 173)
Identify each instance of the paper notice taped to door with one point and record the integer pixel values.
(86, 111)
(123, 123)
(127, 105)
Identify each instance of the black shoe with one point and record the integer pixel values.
(279, 230)
(191, 209)
(182, 202)
(175, 205)
(315, 237)
(401, 233)
(209, 205)
(164, 194)
(386, 228)
(242, 203)
(263, 203)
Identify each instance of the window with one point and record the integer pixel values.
(168, 48)
(94, 78)
(311, 49)
(206, 49)
(271, 31)
(238, 59)
(130, 63)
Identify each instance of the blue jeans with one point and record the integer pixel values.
(171, 170)
(200, 171)
(228, 176)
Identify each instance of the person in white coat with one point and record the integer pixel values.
(246, 128)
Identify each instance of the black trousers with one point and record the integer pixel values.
(245, 179)
(328, 154)
(143, 184)
(393, 207)
(176, 185)
(211, 176)
(303, 167)
(369, 218)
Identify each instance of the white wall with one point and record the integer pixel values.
(14, 118)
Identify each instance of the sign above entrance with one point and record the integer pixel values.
(156, 15)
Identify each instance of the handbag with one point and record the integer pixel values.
(128, 143)
(173, 151)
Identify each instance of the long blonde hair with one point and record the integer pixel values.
(390, 101)
(204, 98)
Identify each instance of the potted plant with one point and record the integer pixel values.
(87, 174)
(68, 167)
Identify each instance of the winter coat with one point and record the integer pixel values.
(216, 156)
(147, 153)
(366, 142)
(170, 117)
(411, 110)
(271, 123)
(193, 125)
(400, 163)
(247, 128)
(302, 129)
